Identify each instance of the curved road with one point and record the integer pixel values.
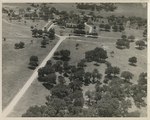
(89, 27)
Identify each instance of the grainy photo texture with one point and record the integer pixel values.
(74, 59)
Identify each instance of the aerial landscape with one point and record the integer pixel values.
(74, 59)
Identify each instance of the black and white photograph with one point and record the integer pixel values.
(74, 59)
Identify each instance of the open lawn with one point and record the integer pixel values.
(39, 24)
(120, 60)
(15, 62)
(137, 33)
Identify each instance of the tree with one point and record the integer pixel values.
(115, 27)
(31, 27)
(133, 60)
(49, 62)
(131, 38)
(98, 55)
(43, 111)
(101, 25)
(140, 43)
(50, 79)
(121, 28)
(122, 44)
(127, 75)
(21, 11)
(107, 27)
(56, 53)
(116, 70)
(81, 26)
(106, 80)
(107, 106)
(112, 70)
(60, 91)
(145, 33)
(33, 61)
(142, 81)
(51, 16)
(43, 43)
(124, 37)
(82, 12)
(51, 34)
(48, 70)
(87, 78)
(81, 64)
(57, 103)
(65, 54)
(16, 45)
(21, 45)
(40, 32)
(61, 80)
(34, 32)
(28, 9)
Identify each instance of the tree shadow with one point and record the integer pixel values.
(119, 47)
(65, 58)
(96, 64)
(56, 58)
(43, 46)
(48, 86)
(132, 64)
(32, 67)
(34, 36)
(108, 76)
(139, 48)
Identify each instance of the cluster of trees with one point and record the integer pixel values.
(62, 55)
(112, 98)
(123, 43)
(80, 28)
(19, 45)
(105, 6)
(39, 33)
(117, 28)
(66, 100)
(98, 55)
(137, 20)
(139, 90)
(4, 10)
(105, 27)
(47, 13)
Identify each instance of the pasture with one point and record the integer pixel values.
(120, 60)
(15, 71)
(15, 61)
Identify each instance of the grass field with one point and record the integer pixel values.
(125, 9)
(137, 33)
(15, 62)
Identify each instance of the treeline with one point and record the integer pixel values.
(103, 6)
